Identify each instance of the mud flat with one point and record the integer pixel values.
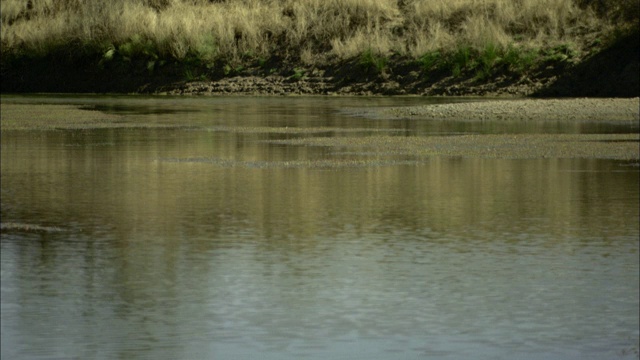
(47, 117)
(507, 146)
(620, 146)
(584, 109)
(52, 117)
(389, 149)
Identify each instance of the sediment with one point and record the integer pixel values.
(581, 109)
(389, 149)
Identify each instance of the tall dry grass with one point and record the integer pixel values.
(311, 30)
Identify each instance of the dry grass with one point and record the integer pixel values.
(300, 29)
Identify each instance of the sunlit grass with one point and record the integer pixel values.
(207, 33)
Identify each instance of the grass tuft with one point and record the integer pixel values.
(372, 61)
(488, 60)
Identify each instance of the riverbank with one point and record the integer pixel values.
(611, 73)
(282, 47)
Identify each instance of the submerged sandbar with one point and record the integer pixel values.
(386, 147)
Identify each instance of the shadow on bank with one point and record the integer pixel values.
(613, 72)
(59, 72)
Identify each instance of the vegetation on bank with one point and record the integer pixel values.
(201, 39)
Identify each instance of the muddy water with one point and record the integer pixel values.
(193, 228)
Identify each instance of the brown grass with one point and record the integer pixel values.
(306, 30)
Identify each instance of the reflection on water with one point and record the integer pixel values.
(242, 255)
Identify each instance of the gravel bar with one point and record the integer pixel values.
(584, 109)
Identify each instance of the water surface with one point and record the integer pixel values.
(209, 237)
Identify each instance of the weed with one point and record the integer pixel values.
(490, 56)
(371, 60)
(298, 74)
(137, 46)
(561, 53)
(151, 64)
(460, 60)
(430, 60)
(189, 75)
(519, 59)
(206, 49)
(488, 60)
(230, 70)
(194, 74)
(456, 71)
(227, 69)
(109, 53)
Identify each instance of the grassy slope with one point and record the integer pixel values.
(125, 45)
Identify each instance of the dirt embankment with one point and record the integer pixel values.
(401, 76)
(613, 72)
(326, 82)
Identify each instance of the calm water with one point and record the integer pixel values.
(208, 241)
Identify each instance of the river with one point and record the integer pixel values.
(191, 230)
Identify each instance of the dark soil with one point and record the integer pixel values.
(613, 72)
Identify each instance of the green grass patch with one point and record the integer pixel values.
(460, 60)
(484, 63)
(561, 53)
(232, 69)
(205, 49)
(488, 59)
(138, 47)
(370, 60)
(430, 61)
(519, 59)
(194, 74)
(298, 74)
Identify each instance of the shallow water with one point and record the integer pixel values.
(208, 239)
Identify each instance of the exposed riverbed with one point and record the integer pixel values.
(624, 113)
